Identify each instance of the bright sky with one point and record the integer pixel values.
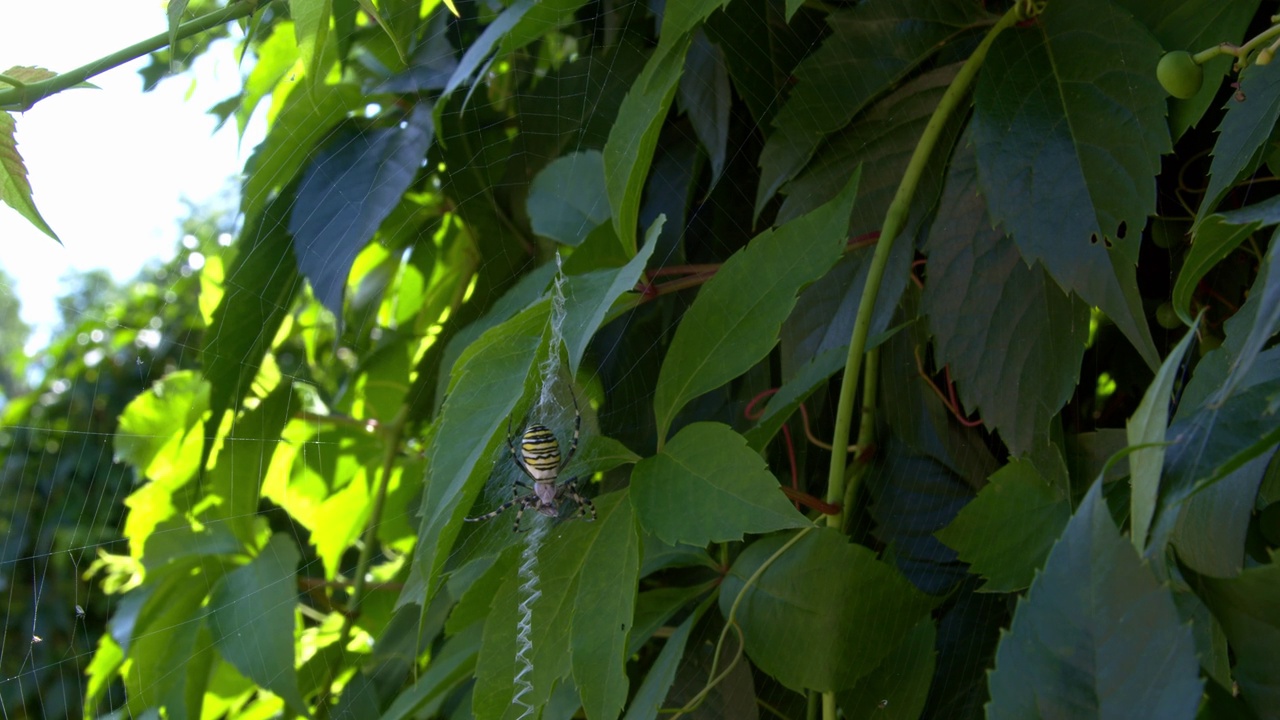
(110, 167)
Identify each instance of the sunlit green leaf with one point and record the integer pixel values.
(15, 190)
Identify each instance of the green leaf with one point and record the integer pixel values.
(680, 18)
(243, 460)
(707, 486)
(559, 569)
(605, 606)
(721, 336)
(628, 153)
(1214, 239)
(275, 57)
(590, 296)
(15, 190)
(1147, 427)
(784, 403)
(1096, 636)
(1264, 303)
(567, 199)
(490, 379)
(158, 428)
(311, 25)
(898, 688)
(820, 630)
(881, 141)
(259, 290)
(175, 10)
(308, 115)
(653, 690)
(158, 626)
(1012, 338)
(704, 96)
(792, 7)
(353, 183)
(1246, 608)
(1243, 133)
(1006, 532)
(1069, 126)
(453, 665)
(1211, 529)
(251, 615)
(871, 48)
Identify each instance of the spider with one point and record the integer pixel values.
(539, 460)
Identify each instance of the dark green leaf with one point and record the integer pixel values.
(1096, 636)
(822, 321)
(567, 199)
(662, 673)
(1012, 338)
(784, 403)
(1147, 427)
(590, 297)
(308, 115)
(721, 336)
(454, 664)
(680, 18)
(544, 17)
(705, 97)
(914, 496)
(605, 606)
(629, 151)
(353, 183)
(1264, 303)
(871, 47)
(1243, 134)
(479, 50)
(896, 690)
(707, 486)
(761, 49)
(1214, 239)
(1210, 533)
(1005, 534)
(1246, 607)
(259, 291)
(793, 629)
(251, 615)
(1069, 125)
(882, 141)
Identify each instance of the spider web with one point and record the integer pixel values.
(64, 494)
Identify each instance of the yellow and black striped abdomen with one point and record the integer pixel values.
(540, 452)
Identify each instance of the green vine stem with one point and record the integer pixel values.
(21, 97)
(894, 220)
(1241, 52)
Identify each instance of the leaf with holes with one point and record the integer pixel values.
(1069, 126)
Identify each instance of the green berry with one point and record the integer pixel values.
(1179, 74)
(1167, 316)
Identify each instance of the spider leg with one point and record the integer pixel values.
(515, 456)
(570, 488)
(515, 527)
(515, 498)
(577, 427)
